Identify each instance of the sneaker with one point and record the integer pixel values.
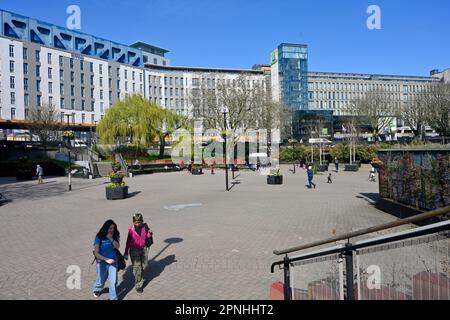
(97, 294)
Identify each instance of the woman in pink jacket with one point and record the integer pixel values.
(138, 242)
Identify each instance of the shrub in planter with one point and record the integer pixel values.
(116, 177)
(116, 191)
(351, 167)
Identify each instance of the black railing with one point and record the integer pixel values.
(346, 250)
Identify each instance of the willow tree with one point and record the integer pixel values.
(132, 118)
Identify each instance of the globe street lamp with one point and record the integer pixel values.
(225, 111)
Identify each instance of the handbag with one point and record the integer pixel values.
(148, 240)
(121, 264)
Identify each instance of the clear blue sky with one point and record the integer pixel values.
(415, 34)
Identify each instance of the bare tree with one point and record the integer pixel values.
(243, 102)
(45, 123)
(415, 114)
(437, 102)
(375, 109)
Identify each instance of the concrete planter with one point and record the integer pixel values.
(351, 167)
(116, 193)
(275, 180)
(197, 171)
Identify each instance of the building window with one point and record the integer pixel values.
(92, 93)
(61, 89)
(72, 104)
(81, 65)
(49, 58)
(38, 55)
(83, 118)
(100, 69)
(38, 100)
(12, 82)
(50, 101)
(13, 113)
(82, 92)
(25, 84)
(72, 90)
(92, 80)
(101, 81)
(50, 73)
(11, 66)
(164, 62)
(61, 75)
(82, 78)
(61, 61)
(61, 103)
(101, 94)
(92, 117)
(26, 99)
(71, 63)
(13, 98)
(72, 76)
(83, 105)
(92, 105)
(38, 85)
(50, 88)
(25, 69)
(11, 51)
(91, 67)
(25, 53)
(126, 74)
(101, 106)
(155, 61)
(38, 71)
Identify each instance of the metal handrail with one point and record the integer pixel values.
(420, 217)
(402, 235)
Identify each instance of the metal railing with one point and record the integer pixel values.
(339, 271)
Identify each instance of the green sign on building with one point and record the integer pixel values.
(273, 57)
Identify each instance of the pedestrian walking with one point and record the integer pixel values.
(105, 245)
(372, 175)
(139, 240)
(40, 174)
(212, 167)
(330, 178)
(336, 164)
(310, 174)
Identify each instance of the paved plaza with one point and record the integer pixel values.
(209, 244)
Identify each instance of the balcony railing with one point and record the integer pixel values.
(410, 264)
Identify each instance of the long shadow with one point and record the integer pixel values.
(371, 197)
(133, 194)
(233, 183)
(149, 274)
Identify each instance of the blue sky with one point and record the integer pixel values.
(415, 34)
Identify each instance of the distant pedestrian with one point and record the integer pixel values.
(336, 164)
(310, 174)
(330, 178)
(190, 166)
(212, 167)
(372, 175)
(139, 239)
(106, 241)
(40, 174)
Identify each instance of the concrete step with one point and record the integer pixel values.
(103, 168)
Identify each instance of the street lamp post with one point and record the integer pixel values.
(224, 111)
(70, 162)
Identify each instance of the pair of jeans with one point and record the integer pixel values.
(106, 271)
(311, 183)
(139, 260)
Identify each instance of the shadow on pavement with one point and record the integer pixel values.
(372, 197)
(133, 194)
(153, 270)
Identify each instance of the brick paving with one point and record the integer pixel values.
(209, 244)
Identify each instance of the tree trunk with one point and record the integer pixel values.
(161, 146)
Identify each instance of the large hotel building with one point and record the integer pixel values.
(83, 75)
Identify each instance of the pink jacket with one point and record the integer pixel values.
(135, 240)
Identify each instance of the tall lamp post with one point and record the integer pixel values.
(225, 111)
(70, 162)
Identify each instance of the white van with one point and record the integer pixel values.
(405, 133)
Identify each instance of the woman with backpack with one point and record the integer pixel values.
(139, 239)
(106, 245)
